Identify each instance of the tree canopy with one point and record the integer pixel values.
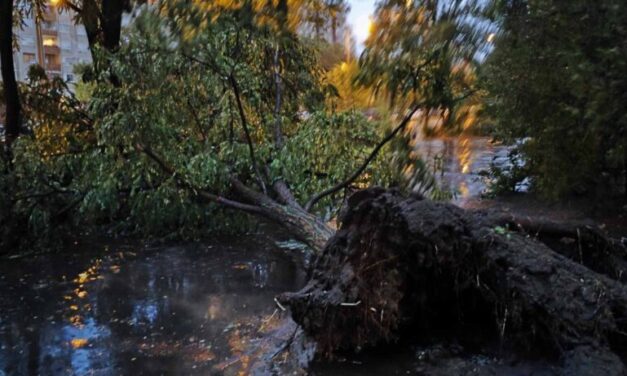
(556, 79)
(192, 125)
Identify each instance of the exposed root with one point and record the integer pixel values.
(407, 266)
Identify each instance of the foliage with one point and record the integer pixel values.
(313, 163)
(39, 188)
(329, 55)
(557, 76)
(508, 177)
(348, 95)
(417, 52)
(203, 107)
(421, 55)
(194, 101)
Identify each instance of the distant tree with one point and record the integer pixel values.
(556, 78)
(322, 16)
(348, 95)
(418, 54)
(337, 10)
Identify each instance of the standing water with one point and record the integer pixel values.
(120, 310)
(458, 161)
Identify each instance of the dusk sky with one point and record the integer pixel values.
(359, 18)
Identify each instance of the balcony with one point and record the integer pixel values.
(53, 69)
(52, 59)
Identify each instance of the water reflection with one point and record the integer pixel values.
(457, 162)
(178, 310)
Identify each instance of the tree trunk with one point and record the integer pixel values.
(103, 24)
(9, 84)
(412, 267)
(89, 15)
(306, 227)
(111, 23)
(625, 169)
(303, 225)
(582, 242)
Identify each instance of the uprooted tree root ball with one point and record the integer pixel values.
(404, 266)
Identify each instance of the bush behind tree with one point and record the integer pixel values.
(556, 78)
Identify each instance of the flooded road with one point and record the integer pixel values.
(458, 161)
(120, 310)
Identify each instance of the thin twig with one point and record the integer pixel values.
(279, 304)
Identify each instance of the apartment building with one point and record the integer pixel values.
(57, 45)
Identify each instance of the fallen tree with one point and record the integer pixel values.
(584, 242)
(415, 266)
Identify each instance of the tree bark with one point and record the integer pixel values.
(103, 25)
(9, 84)
(582, 242)
(305, 226)
(111, 23)
(89, 13)
(410, 266)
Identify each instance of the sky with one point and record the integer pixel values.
(359, 17)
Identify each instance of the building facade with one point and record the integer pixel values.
(57, 45)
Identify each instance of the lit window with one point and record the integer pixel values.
(50, 41)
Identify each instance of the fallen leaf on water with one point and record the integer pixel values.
(82, 278)
(77, 343)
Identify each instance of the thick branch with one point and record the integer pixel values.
(279, 186)
(74, 7)
(285, 194)
(251, 195)
(365, 164)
